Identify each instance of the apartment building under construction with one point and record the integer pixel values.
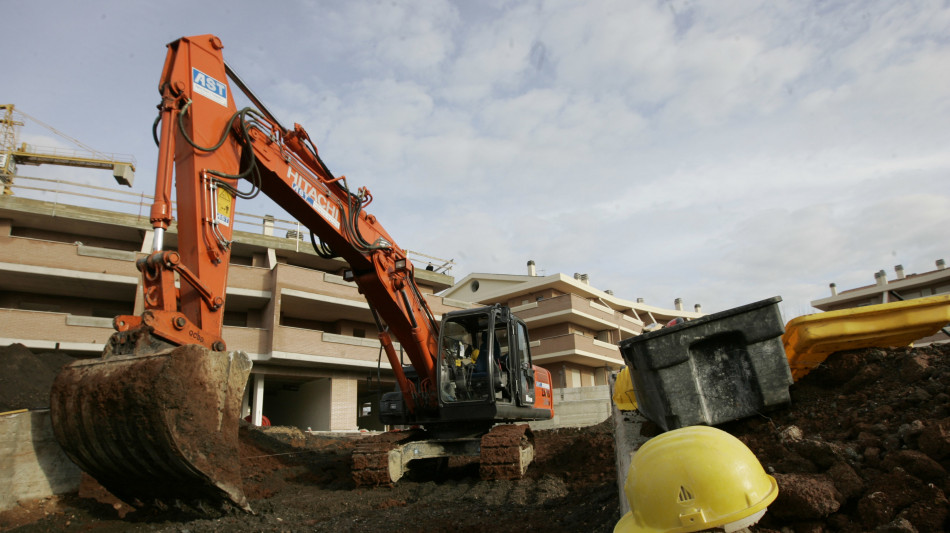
(66, 271)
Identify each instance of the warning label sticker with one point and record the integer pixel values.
(225, 201)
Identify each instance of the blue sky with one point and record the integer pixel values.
(719, 152)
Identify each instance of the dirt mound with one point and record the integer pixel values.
(865, 445)
(26, 378)
(302, 482)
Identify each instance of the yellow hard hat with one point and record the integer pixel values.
(695, 478)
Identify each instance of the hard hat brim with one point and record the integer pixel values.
(627, 524)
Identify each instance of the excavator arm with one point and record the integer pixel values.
(214, 148)
(155, 420)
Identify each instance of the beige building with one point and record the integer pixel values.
(574, 327)
(904, 286)
(66, 271)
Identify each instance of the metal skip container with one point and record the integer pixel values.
(715, 369)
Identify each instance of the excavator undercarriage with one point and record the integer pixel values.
(503, 453)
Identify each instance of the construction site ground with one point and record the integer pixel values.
(864, 446)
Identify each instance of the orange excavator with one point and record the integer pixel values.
(155, 420)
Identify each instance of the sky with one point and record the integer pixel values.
(718, 152)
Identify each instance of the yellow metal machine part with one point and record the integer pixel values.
(810, 339)
(624, 396)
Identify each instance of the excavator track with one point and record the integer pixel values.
(506, 452)
(371, 457)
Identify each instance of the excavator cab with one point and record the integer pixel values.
(484, 358)
(484, 375)
(469, 368)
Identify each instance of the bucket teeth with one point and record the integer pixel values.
(157, 430)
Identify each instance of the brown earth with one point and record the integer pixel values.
(25, 377)
(864, 446)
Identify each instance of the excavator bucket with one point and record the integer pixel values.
(158, 430)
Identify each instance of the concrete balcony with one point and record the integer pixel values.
(66, 270)
(88, 335)
(574, 309)
(577, 349)
(306, 347)
(49, 331)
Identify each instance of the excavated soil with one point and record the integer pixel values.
(300, 482)
(25, 377)
(864, 446)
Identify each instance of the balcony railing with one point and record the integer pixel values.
(72, 193)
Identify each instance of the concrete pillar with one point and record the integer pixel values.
(6, 227)
(678, 303)
(147, 241)
(246, 399)
(343, 405)
(532, 271)
(257, 408)
(269, 225)
(270, 314)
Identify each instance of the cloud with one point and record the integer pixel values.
(716, 152)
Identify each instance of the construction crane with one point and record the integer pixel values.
(11, 155)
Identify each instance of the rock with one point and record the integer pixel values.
(929, 512)
(805, 496)
(916, 463)
(899, 525)
(909, 432)
(914, 368)
(875, 508)
(824, 454)
(867, 374)
(872, 456)
(847, 481)
(790, 434)
(867, 439)
(934, 439)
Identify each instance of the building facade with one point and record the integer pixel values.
(904, 286)
(574, 327)
(66, 271)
